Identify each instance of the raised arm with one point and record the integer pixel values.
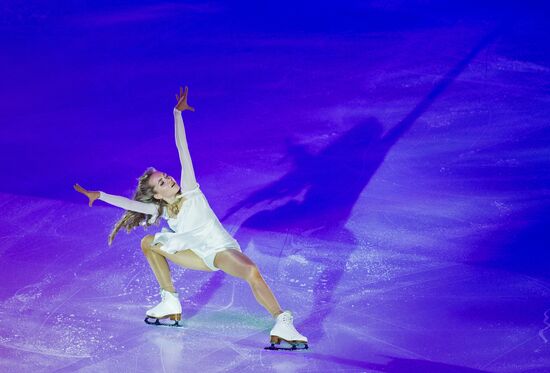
(187, 180)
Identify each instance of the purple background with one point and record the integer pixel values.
(385, 163)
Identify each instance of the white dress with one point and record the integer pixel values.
(196, 227)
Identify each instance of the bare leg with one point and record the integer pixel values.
(239, 265)
(158, 262)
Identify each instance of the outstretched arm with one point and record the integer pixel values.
(188, 180)
(129, 204)
(122, 202)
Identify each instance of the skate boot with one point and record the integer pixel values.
(169, 307)
(284, 330)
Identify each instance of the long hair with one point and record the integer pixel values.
(143, 193)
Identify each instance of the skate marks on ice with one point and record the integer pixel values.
(543, 330)
(69, 298)
(368, 272)
(42, 314)
(84, 305)
(396, 297)
(332, 180)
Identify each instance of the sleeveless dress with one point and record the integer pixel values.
(196, 227)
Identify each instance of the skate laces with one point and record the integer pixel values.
(164, 293)
(286, 318)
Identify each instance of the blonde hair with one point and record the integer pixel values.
(143, 193)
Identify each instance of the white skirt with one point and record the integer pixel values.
(196, 227)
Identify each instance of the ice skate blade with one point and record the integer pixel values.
(176, 318)
(295, 345)
(293, 348)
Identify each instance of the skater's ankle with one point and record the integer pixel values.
(169, 289)
(277, 314)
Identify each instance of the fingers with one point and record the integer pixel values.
(78, 188)
(182, 96)
(183, 92)
(85, 192)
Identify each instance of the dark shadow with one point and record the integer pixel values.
(203, 295)
(332, 181)
(519, 245)
(393, 365)
(400, 365)
(403, 365)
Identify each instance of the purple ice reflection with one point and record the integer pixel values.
(386, 165)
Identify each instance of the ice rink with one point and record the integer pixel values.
(385, 164)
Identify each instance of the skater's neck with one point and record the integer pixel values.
(171, 200)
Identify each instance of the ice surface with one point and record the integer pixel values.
(385, 165)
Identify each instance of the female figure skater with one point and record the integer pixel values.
(197, 239)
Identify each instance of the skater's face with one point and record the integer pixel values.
(163, 184)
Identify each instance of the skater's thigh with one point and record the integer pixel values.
(236, 264)
(185, 258)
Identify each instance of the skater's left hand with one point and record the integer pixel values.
(182, 100)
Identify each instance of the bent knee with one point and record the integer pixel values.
(146, 243)
(253, 272)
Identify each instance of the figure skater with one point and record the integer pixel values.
(197, 239)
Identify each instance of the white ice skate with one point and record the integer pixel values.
(284, 330)
(169, 307)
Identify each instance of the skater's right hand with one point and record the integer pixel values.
(91, 195)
